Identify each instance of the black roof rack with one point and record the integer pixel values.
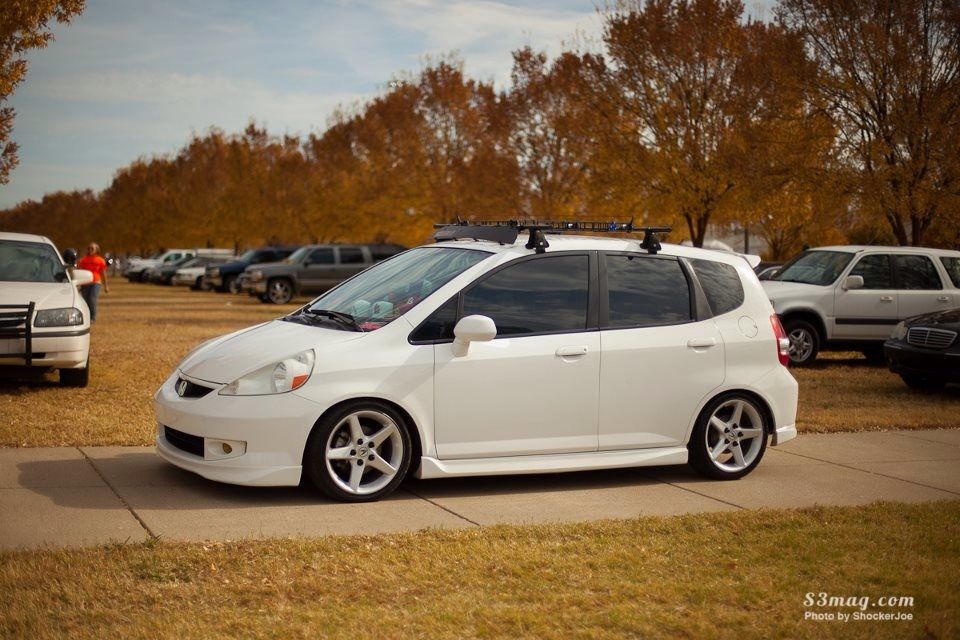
(506, 231)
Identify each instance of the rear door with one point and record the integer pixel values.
(658, 361)
(920, 287)
(869, 313)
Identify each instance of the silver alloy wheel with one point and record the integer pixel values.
(801, 345)
(364, 452)
(280, 292)
(735, 435)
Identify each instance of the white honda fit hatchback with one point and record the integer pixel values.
(476, 357)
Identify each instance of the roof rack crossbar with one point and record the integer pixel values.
(506, 231)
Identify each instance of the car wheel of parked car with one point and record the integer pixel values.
(729, 438)
(75, 377)
(279, 291)
(230, 284)
(804, 342)
(925, 383)
(359, 453)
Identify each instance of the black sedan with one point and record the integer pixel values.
(925, 350)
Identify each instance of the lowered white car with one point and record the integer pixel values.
(483, 355)
(44, 321)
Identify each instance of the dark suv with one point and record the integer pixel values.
(224, 277)
(313, 268)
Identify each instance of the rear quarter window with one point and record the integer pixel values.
(721, 284)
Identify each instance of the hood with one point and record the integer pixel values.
(270, 266)
(948, 317)
(47, 295)
(229, 357)
(236, 265)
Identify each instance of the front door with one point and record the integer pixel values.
(533, 389)
(319, 271)
(871, 312)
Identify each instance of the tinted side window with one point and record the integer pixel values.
(917, 272)
(439, 326)
(535, 296)
(720, 283)
(264, 256)
(320, 256)
(382, 252)
(351, 255)
(645, 291)
(952, 265)
(875, 270)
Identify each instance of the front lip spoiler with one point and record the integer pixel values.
(61, 334)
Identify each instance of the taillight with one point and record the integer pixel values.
(783, 342)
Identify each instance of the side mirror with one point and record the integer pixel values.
(81, 277)
(853, 282)
(472, 329)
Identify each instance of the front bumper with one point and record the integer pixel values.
(63, 348)
(274, 429)
(904, 358)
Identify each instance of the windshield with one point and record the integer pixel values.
(296, 255)
(30, 262)
(247, 256)
(387, 290)
(815, 267)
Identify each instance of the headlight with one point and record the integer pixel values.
(68, 316)
(255, 275)
(213, 273)
(899, 331)
(288, 374)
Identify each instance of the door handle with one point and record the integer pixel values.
(943, 299)
(886, 298)
(571, 352)
(701, 343)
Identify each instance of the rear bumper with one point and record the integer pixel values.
(784, 434)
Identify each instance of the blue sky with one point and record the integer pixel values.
(130, 79)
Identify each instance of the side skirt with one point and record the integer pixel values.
(553, 463)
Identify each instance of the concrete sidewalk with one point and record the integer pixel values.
(91, 495)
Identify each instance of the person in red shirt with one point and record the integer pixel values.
(94, 263)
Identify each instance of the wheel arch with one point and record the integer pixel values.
(416, 435)
(810, 316)
(764, 405)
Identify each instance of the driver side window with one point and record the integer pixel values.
(875, 270)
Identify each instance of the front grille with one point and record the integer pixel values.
(187, 389)
(930, 338)
(184, 441)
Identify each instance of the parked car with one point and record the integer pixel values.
(924, 350)
(766, 270)
(312, 269)
(192, 273)
(137, 270)
(223, 278)
(482, 357)
(164, 275)
(44, 321)
(851, 297)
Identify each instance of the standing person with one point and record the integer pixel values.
(94, 263)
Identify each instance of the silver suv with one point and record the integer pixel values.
(851, 297)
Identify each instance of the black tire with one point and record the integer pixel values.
(143, 277)
(314, 459)
(804, 342)
(197, 284)
(75, 377)
(279, 290)
(230, 284)
(924, 383)
(700, 440)
(264, 299)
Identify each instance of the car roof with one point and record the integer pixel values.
(25, 237)
(564, 242)
(857, 248)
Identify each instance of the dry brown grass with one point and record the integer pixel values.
(144, 330)
(742, 575)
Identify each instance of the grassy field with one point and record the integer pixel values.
(144, 330)
(723, 575)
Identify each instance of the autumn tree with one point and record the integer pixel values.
(24, 26)
(889, 77)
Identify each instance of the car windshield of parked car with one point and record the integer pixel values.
(387, 290)
(296, 255)
(30, 262)
(247, 256)
(815, 267)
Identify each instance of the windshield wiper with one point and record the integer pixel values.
(339, 317)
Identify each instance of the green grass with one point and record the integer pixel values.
(726, 575)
